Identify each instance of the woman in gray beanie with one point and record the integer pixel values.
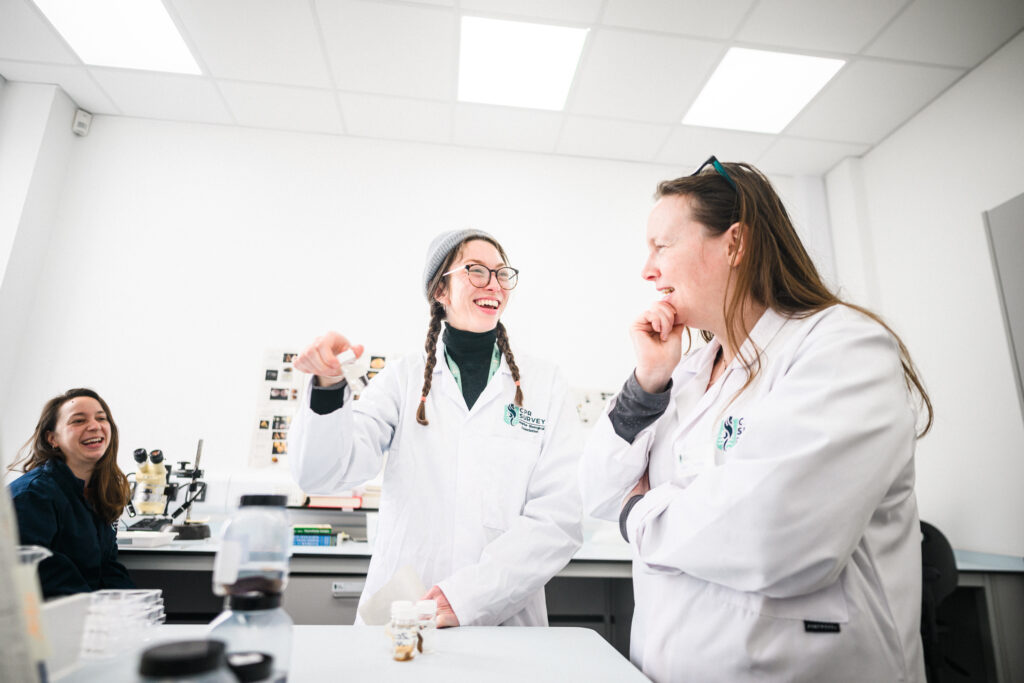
(481, 498)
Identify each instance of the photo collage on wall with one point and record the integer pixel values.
(278, 401)
(281, 389)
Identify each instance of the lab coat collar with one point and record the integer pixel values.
(765, 329)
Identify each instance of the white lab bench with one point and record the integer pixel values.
(986, 613)
(362, 653)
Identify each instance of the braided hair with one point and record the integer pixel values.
(502, 339)
(436, 315)
(434, 329)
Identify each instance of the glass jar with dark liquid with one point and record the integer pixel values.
(255, 548)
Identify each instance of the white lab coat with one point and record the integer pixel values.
(485, 506)
(807, 515)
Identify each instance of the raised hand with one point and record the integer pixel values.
(657, 340)
(321, 357)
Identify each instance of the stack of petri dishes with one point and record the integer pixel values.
(121, 620)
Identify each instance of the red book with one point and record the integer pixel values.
(334, 502)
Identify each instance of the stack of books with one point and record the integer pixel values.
(313, 534)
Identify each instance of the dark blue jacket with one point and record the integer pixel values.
(53, 512)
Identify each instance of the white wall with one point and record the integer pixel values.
(35, 143)
(181, 252)
(922, 261)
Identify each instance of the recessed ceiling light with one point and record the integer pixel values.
(131, 34)
(760, 91)
(517, 64)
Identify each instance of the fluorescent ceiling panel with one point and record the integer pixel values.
(517, 64)
(130, 34)
(760, 91)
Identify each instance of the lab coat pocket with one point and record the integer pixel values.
(827, 605)
(506, 462)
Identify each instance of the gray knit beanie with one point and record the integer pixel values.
(439, 249)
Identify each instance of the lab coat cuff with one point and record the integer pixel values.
(650, 506)
(460, 603)
(325, 400)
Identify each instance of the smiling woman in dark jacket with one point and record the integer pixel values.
(72, 494)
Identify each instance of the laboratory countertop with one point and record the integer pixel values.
(603, 549)
(598, 550)
(362, 653)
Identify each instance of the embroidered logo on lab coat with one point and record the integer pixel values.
(729, 433)
(524, 419)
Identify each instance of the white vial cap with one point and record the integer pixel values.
(346, 356)
(403, 610)
(426, 607)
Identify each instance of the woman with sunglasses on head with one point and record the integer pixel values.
(479, 491)
(72, 494)
(766, 480)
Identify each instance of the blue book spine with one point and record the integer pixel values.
(317, 539)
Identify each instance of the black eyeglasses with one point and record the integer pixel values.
(714, 163)
(480, 276)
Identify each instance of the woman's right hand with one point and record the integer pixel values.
(658, 342)
(321, 358)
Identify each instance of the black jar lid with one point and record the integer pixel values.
(263, 499)
(251, 666)
(256, 600)
(182, 658)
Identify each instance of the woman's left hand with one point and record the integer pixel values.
(445, 615)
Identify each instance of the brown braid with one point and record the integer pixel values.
(502, 339)
(436, 315)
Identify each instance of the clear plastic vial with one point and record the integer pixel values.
(257, 623)
(426, 616)
(255, 548)
(404, 631)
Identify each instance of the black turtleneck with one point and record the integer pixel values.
(472, 352)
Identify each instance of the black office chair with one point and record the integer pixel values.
(939, 574)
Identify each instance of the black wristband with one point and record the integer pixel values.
(625, 514)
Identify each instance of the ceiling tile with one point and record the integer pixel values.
(688, 17)
(26, 35)
(643, 77)
(611, 139)
(848, 109)
(74, 80)
(396, 118)
(526, 130)
(950, 32)
(282, 107)
(256, 40)
(163, 96)
(391, 49)
(577, 11)
(791, 156)
(835, 26)
(689, 146)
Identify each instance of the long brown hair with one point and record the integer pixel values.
(437, 287)
(775, 270)
(107, 489)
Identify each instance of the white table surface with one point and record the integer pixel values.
(362, 653)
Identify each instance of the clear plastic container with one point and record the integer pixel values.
(256, 623)
(119, 619)
(404, 631)
(255, 548)
(426, 621)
